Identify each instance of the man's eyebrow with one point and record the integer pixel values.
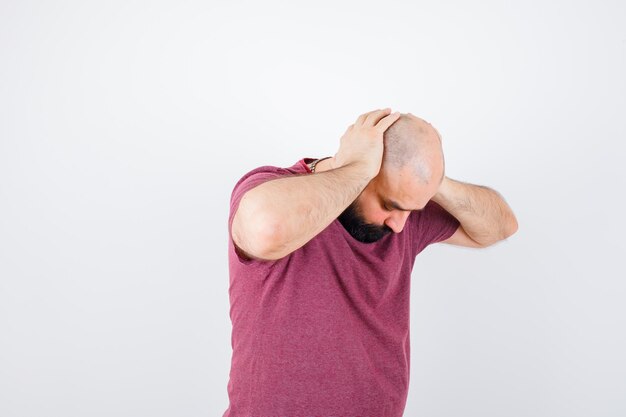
(397, 206)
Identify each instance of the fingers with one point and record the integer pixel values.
(387, 121)
(381, 118)
(374, 117)
(365, 117)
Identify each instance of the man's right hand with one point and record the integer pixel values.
(362, 143)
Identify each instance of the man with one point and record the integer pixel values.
(320, 258)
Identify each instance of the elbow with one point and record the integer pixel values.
(505, 233)
(512, 227)
(256, 232)
(257, 241)
(264, 242)
(509, 230)
(264, 239)
(269, 239)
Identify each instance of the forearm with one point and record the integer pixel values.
(482, 212)
(297, 208)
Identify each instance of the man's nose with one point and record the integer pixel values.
(397, 220)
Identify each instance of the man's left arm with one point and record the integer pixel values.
(484, 215)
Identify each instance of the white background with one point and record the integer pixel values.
(124, 126)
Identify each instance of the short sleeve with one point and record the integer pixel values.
(432, 225)
(250, 180)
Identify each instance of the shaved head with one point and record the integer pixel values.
(412, 144)
(410, 174)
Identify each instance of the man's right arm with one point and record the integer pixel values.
(281, 215)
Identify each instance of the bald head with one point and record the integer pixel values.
(413, 144)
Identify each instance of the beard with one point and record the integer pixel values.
(353, 222)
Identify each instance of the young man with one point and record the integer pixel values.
(320, 258)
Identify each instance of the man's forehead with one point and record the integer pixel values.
(400, 190)
(399, 180)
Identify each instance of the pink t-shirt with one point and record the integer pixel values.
(324, 331)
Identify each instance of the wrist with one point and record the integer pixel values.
(325, 164)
